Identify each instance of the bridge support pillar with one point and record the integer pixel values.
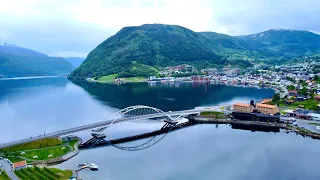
(168, 124)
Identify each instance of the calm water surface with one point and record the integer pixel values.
(30, 107)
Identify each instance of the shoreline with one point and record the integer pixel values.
(29, 77)
(298, 130)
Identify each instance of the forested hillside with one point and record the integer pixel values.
(159, 45)
(17, 62)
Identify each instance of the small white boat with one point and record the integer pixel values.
(93, 167)
(318, 128)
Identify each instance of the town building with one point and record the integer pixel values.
(267, 109)
(292, 92)
(242, 107)
(266, 101)
(19, 165)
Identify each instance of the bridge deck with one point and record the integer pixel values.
(133, 138)
(99, 124)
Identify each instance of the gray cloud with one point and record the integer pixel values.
(251, 16)
(76, 27)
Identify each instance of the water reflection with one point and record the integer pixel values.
(171, 96)
(17, 87)
(32, 107)
(205, 152)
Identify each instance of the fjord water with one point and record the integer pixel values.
(30, 107)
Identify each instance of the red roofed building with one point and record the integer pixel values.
(265, 101)
(267, 109)
(242, 107)
(293, 92)
(19, 165)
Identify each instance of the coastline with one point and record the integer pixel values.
(288, 127)
(30, 77)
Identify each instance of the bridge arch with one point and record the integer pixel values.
(143, 112)
(132, 111)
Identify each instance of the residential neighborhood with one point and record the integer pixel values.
(295, 84)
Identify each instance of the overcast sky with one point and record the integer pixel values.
(75, 27)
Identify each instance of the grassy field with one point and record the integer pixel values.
(44, 153)
(109, 78)
(310, 104)
(213, 114)
(36, 173)
(49, 142)
(135, 79)
(3, 176)
(208, 113)
(313, 123)
(42, 149)
(72, 143)
(14, 159)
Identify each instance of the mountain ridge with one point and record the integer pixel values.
(161, 45)
(17, 61)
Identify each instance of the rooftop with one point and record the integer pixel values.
(241, 104)
(19, 164)
(264, 101)
(266, 105)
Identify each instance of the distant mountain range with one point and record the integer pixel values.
(75, 61)
(16, 61)
(161, 45)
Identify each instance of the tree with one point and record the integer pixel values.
(303, 91)
(276, 98)
(316, 78)
(290, 79)
(291, 87)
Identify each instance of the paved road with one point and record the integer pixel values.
(305, 124)
(7, 167)
(98, 125)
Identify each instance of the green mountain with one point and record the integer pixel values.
(161, 45)
(18, 62)
(286, 43)
(150, 44)
(275, 45)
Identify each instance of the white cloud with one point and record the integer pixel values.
(3, 37)
(54, 26)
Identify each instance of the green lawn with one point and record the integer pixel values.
(4, 176)
(44, 153)
(209, 113)
(14, 159)
(109, 78)
(34, 173)
(310, 104)
(72, 143)
(313, 123)
(213, 114)
(49, 142)
(42, 149)
(135, 79)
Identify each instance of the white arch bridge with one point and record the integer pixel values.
(132, 113)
